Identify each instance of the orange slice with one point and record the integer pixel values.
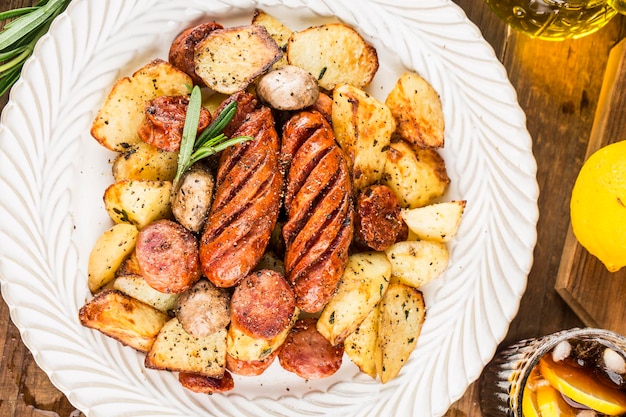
(582, 387)
(552, 404)
(530, 408)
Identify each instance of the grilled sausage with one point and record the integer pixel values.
(203, 309)
(167, 255)
(249, 368)
(205, 384)
(307, 353)
(378, 221)
(164, 120)
(246, 104)
(319, 206)
(246, 204)
(192, 199)
(182, 50)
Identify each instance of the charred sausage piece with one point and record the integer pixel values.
(192, 199)
(182, 50)
(205, 384)
(262, 305)
(320, 212)
(378, 221)
(251, 367)
(203, 309)
(246, 204)
(167, 255)
(246, 105)
(324, 105)
(163, 124)
(308, 354)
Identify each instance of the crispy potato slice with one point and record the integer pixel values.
(176, 350)
(321, 50)
(137, 287)
(116, 123)
(123, 318)
(143, 161)
(108, 254)
(416, 263)
(363, 127)
(418, 177)
(130, 266)
(360, 345)
(138, 202)
(417, 108)
(276, 29)
(401, 315)
(229, 59)
(438, 222)
(360, 288)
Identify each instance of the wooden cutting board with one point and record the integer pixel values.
(597, 296)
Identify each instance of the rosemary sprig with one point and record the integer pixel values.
(210, 141)
(19, 36)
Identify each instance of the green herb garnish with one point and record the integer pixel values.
(210, 141)
(19, 36)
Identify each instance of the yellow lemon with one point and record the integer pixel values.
(552, 404)
(580, 385)
(530, 407)
(598, 205)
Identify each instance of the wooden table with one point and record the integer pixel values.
(558, 86)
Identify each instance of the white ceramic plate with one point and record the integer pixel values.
(53, 174)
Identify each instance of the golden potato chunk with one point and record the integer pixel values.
(108, 254)
(137, 287)
(438, 222)
(123, 318)
(416, 263)
(229, 59)
(360, 345)
(138, 202)
(143, 161)
(116, 123)
(417, 108)
(276, 29)
(335, 54)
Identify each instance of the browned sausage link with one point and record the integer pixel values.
(262, 305)
(246, 105)
(205, 384)
(320, 216)
(182, 50)
(164, 120)
(252, 367)
(246, 204)
(378, 221)
(324, 105)
(308, 354)
(167, 255)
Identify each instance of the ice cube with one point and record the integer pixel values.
(587, 413)
(561, 351)
(614, 361)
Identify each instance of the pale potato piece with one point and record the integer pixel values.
(246, 348)
(360, 345)
(417, 108)
(138, 202)
(438, 222)
(116, 123)
(123, 318)
(400, 319)
(276, 29)
(335, 54)
(360, 288)
(176, 350)
(416, 263)
(418, 177)
(229, 59)
(137, 287)
(269, 260)
(108, 254)
(363, 127)
(143, 161)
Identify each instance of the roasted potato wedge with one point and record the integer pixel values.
(137, 287)
(321, 50)
(416, 263)
(363, 127)
(360, 345)
(438, 222)
(116, 123)
(417, 108)
(400, 318)
(176, 350)
(143, 161)
(130, 266)
(123, 318)
(138, 202)
(360, 288)
(276, 29)
(418, 177)
(108, 254)
(229, 59)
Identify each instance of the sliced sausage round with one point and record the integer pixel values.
(205, 384)
(378, 221)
